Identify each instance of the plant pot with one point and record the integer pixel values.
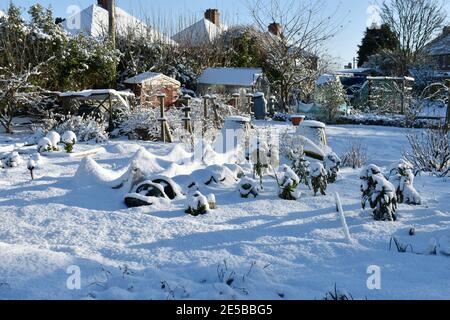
(297, 119)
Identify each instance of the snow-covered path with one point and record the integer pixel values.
(269, 248)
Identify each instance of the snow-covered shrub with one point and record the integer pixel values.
(248, 187)
(260, 158)
(197, 204)
(430, 151)
(355, 156)
(287, 184)
(299, 164)
(332, 164)
(69, 139)
(86, 128)
(379, 193)
(45, 145)
(54, 138)
(319, 178)
(12, 160)
(402, 177)
(331, 96)
(141, 123)
(281, 117)
(38, 134)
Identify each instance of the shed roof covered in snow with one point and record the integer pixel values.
(440, 45)
(150, 76)
(94, 94)
(94, 21)
(243, 77)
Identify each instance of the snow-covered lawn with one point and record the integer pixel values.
(263, 248)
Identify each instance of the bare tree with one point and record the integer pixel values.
(415, 23)
(293, 50)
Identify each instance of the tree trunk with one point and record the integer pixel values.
(112, 22)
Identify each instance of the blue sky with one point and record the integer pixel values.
(342, 47)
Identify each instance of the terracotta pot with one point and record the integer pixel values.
(296, 120)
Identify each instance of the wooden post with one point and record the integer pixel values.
(215, 109)
(250, 103)
(236, 97)
(187, 119)
(402, 98)
(272, 105)
(447, 117)
(205, 105)
(111, 120)
(165, 130)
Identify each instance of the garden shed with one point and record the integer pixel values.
(230, 80)
(146, 86)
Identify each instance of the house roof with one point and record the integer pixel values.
(440, 45)
(94, 21)
(245, 77)
(203, 31)
(149, 76)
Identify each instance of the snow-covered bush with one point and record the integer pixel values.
(379, 193)
(430, 151)
(319, 178)
(355, 156)
(332, 164)
(45, 145)
(197, 204)
(287, 184)
(12, 160)
(299, 164)
(38, 134)
(141, 123)
(331, 96)
(69, 139)
(281, 117)
(260, 158)
(54, 138)
(402, 177)
(248, 187)
(86, 128)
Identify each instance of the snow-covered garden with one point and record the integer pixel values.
(224, 161)
(240, 241)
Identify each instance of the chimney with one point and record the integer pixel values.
(213, 15)
(103, 4)
(275, 29)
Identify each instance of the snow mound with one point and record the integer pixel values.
(90, 172)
